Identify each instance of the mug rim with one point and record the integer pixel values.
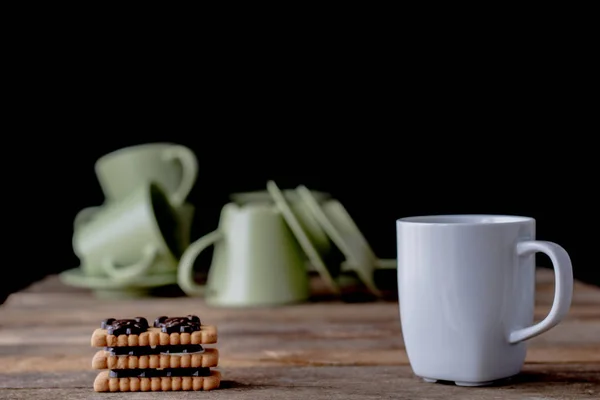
(464, 220)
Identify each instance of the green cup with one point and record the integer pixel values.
(185, 217)
(136, 236)
(171, 166)
(256, 260)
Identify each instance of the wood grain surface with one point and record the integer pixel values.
(320, 349)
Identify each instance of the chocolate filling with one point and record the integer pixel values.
(157, 373)
(125, 326)
(147, 350)
(188, 324)
(138, 325)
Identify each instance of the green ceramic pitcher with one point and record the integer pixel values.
(256, 260)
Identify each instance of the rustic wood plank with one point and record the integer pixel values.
(345, 383)
(320, 348)
(299, 354)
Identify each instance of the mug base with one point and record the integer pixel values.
(462, 383)
(474, 384)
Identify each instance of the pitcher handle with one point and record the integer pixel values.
(185, 271)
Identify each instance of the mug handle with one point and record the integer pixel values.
(189, 163)
(84, 216)
(132, 271)
(563, 291)
(185, 271)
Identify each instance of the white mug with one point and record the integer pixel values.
(466, 291)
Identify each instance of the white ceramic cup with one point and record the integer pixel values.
(466, 292)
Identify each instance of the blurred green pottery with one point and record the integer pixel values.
(171, 166)
(127, 239)
(305, 217)
(256, 260)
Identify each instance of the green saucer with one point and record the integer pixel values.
(75, 277)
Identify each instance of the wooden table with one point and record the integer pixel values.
(325, 349)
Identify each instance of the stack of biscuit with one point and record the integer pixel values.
(170, 356)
